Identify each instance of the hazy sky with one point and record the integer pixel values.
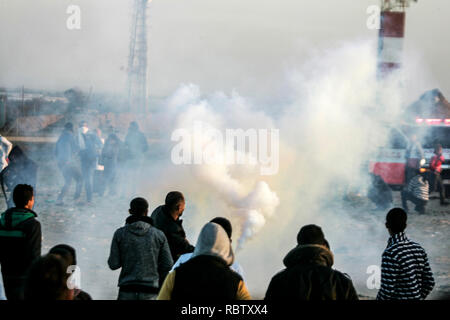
(248, 45)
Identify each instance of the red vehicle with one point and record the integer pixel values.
(389, 162)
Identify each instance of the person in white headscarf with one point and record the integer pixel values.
(207, 275)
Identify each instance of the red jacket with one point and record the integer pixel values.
(436, 163)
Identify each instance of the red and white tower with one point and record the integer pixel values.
(390, 38)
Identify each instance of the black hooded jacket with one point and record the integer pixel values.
(173, 230)
(309, 276)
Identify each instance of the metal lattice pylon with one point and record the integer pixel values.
(137, 59)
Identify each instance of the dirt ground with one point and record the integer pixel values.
(90, 229)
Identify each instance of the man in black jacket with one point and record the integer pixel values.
(308, 274)
(167, 219)
(20, 241)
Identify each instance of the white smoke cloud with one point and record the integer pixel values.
(249, 199)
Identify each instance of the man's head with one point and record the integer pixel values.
(412, 136)
(23, 196)
(225, 224)
(311, 234)
(47, 280)
(133, 126)
(69, 126)
(84, 126)
(396, 220)
(175, 204)
(66, 252)
(138, 207)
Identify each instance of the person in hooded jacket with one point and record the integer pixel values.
(226, 225)
(308, 274)
(207, 275)
(21, 170)
(142, 251)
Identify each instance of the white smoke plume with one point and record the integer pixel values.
(250, 200)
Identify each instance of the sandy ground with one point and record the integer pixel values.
(90, 229)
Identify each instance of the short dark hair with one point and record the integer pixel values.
(225, 224)
(67, 252)
(311, 234)
(69, 126)
(22, 194)
(396, 220)
(173, 199)
(138, 206)
(47, 279)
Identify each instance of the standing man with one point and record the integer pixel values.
(167, 219)
(309, 274)
(435, 173)
(109, 158)
(5, 149)
(414, 157)
(136, 146)
(20, 241)
(65, 151)
(89, 145)
(143, 254)
(405, 272)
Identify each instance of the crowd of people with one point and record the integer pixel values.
(157, 261)
(155, 258)
(79, 153)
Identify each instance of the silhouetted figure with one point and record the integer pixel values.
(47, 280)
(405, 271)
(108, 159)
(435, 178)
(309, 274)
(65, 152)
(135, 148)
(167, 219)
(69, 255)
(89, 145)
(380, 193)
(21, 170)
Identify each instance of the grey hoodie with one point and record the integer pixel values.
(142, 252)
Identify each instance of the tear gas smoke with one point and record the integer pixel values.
(328, 132)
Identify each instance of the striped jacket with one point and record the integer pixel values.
(405, 272)
(419, 187)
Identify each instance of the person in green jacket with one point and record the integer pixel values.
(20, 241)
